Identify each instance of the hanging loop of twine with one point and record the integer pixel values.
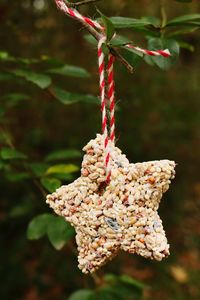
(107, 87)
(107, 92)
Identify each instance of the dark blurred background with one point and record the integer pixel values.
(158, 117)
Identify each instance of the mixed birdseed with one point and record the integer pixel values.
(119, 215)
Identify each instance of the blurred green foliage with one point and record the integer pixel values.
(50, 109)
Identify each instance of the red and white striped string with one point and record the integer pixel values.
(102, 83)
(109, 93)
(164, 53)
(76, 15)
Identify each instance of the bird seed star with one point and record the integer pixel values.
(120, 215)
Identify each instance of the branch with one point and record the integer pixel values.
(70, 4)
(122, 60)
(98, 36)
(114, 52)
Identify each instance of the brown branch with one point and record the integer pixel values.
(40, 188)
(114, 52)
(97, 279)
(122, 60)
(70, 4)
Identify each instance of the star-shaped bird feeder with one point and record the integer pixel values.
(121, 215)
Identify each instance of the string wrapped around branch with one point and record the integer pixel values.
(72, 12)
(109, 138)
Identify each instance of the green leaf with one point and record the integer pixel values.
(69, 168)
(182, 31)
(189, 25)
(59, 232)
(4, 56)
(41, 80)
(186, 46)
(5, 138)
(2, 112)
(133, 282)
(105, 49)
(133, 58)
(50, 184)
(9, 153)
(5, 76)
(28, 61)
(63, 154)
(148, 60)
(68, 70)
(38, 226)
(64, 96)
(2, 165)
(16, 97)
(13, 99)
(64, 176)
(90, 39)
(148, 31)
(193, 23)
(110, 278)
(161, 43)
(19, 176)
(119, 40)
(21, 210)
(152, 20)
(70, 98)
(109, 293)
(38, 168)
(122, 287)
(122, 22)
(110, 29)
(184, 19)
(83, 295)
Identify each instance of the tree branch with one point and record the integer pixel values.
(114, 52)
(122, 60)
